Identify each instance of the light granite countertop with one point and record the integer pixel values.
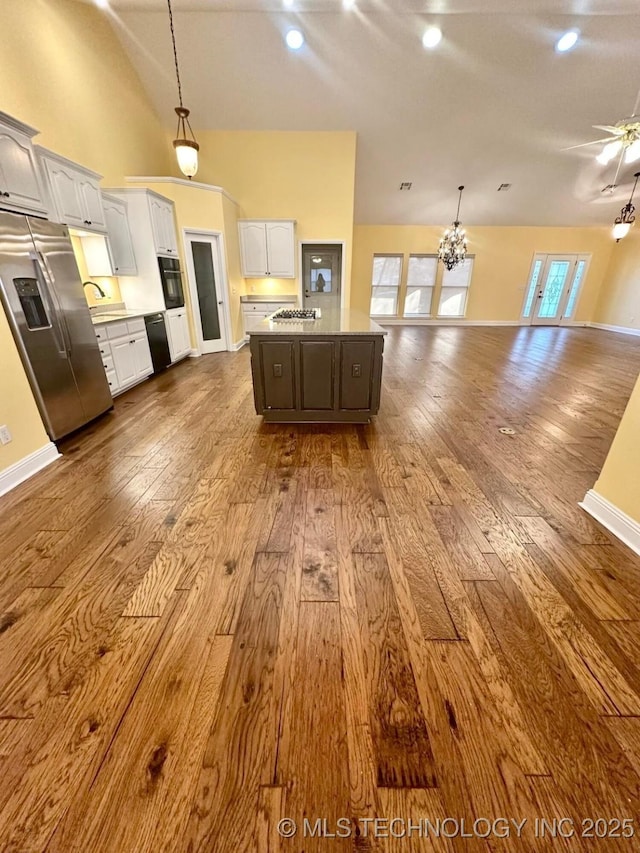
(331, 323)
(269, 297)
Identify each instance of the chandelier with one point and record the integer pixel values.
(623, 223)
(185, 143)
(453, 243)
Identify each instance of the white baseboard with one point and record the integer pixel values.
(401, 321)
(238, 344)
(623, 330)
(195, 353)
(619, 523)
(27, 467)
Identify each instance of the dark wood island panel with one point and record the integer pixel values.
(315, 375)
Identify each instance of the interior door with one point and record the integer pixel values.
(203, 266)
(553, 290)
(321, 271)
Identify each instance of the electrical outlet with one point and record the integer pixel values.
(5, 435)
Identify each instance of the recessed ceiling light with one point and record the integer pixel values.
(103, 4)
(294, 39)
(432, 37)
(348, 4)
(288, 4)
(567, 41)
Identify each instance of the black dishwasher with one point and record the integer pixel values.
(158, 343)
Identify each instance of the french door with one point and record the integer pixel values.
(553, 289)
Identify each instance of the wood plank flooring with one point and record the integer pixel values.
(209, 624)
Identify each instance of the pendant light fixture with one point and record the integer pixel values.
(623, 223)
(186, 148)
(453, 243)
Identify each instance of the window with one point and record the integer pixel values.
(384, 285)
(533, 284)
(575, 288)
(455, 290)
(421, 279)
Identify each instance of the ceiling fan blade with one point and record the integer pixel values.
(618, 131)
(584, 144)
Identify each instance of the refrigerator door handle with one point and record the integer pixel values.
(54, 309)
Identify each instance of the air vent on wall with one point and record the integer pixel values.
(504, 187)
(406, 185)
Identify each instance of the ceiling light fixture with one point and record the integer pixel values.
(453, 243)
(186, 148)
(348, 4)
(431, 37)
(567, 41)
(623, 223)
(294, 39)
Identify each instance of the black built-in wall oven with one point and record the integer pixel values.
(171, 277)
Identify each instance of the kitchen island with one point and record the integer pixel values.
(327, 370)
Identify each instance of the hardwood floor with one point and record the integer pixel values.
(208, 624)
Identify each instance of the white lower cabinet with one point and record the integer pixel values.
(253, 313)
(125, 352)
(178, 333)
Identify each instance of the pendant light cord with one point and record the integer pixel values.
(637, 175)
(175, 52)
(459, 200)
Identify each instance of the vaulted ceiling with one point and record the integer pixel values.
(493, 103)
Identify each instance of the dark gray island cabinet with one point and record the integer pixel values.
(327, 370)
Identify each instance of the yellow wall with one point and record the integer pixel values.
(619, 480)
(201, 209)
(17, 407)
(306, 176)
(619, 302)
(501, 266)
(62, 70)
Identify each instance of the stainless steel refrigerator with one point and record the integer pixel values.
(42, 294)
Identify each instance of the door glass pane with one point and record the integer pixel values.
(321, 280)
(533, 284)
(553, 289)
(575, 287)
(206, 287)
(418, 302)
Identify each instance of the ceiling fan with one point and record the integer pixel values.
(624, 140)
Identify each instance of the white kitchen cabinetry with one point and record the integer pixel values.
(253, 313)
(76, 199)
(267, 248)
(20, 188)
(164, 230)
(143, 290)
(125, 352)
(178, 333)
(123, 259)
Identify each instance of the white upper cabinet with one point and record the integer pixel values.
(76, 199)
(164, 231)
(123, 259)
(20, 188)
(267, 247)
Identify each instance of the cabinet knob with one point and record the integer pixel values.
(132, 342)
(6, 195)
